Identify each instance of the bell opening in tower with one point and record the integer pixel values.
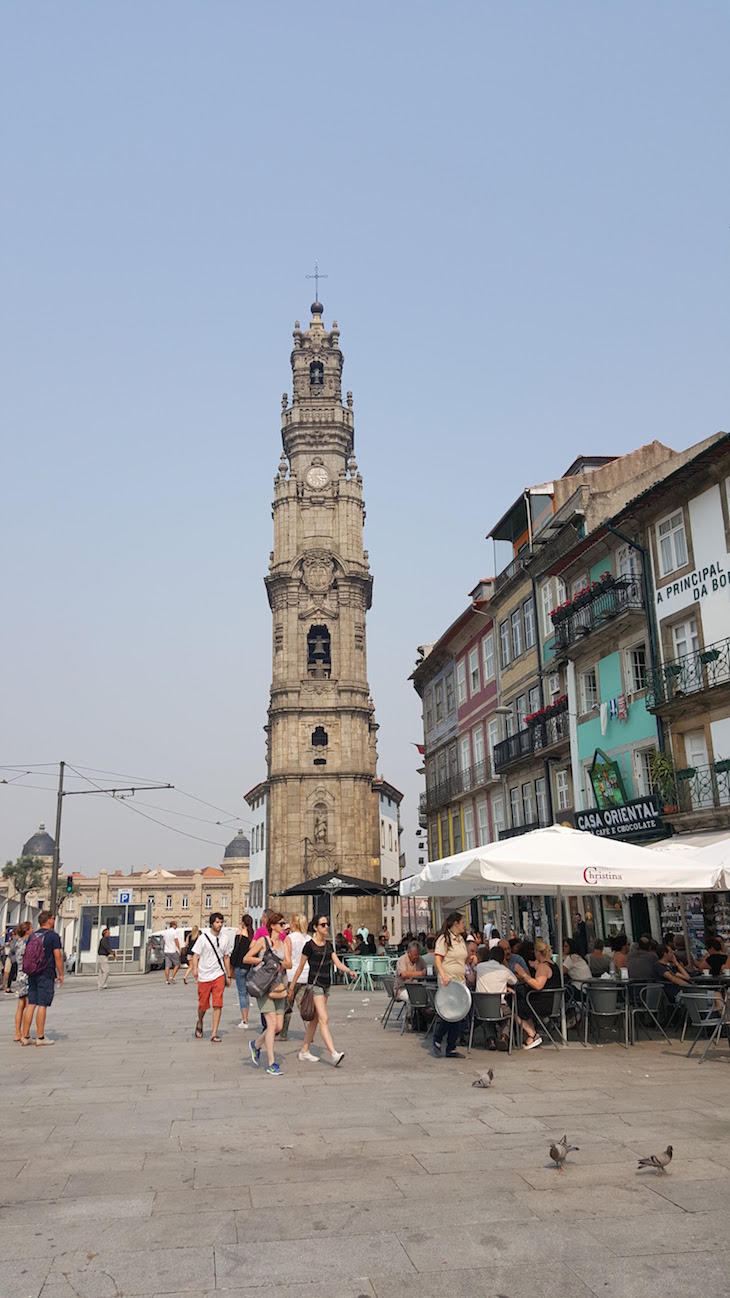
(319, 654)
(316, 374)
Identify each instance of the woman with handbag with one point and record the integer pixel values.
(297, 939)
(271, 957)
(320, 954)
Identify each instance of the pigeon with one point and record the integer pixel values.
(559, 1152)
(659, 1162)
(484, 1080)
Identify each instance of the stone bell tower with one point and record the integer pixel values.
(321, 752)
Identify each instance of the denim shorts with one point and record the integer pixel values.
(41, 988)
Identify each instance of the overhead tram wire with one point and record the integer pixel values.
(125, 802)
(231, 815)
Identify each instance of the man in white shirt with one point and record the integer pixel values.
(493, 975)
(171, 952)
(212, 971)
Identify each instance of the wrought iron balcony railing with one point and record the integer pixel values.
(505, 576)
(546, 729)
(700, 788)
(595, 608)
(518, 830)
(691, 674)
(475, 777)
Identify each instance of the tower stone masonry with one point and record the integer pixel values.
(321, 733)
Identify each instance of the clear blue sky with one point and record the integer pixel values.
(523, 212)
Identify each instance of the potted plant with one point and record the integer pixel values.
(709, 656)
(664, 780)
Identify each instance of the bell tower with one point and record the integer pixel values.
(321, 750)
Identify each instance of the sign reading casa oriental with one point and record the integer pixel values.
(708, 580)
(637, 819)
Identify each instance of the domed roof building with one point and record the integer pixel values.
(239, 848)
(40, 844)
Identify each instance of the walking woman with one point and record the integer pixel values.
(272, 1004)
(188, 952)
(241, 944)
(320, 954)
(21, 983)
(298, 940)
(450, 961)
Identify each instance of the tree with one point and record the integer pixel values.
(26, 875)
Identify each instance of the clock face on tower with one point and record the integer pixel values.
(317, 476)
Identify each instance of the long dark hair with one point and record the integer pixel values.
(452, 918)
(247, 923)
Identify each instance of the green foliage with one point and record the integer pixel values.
(26, 874)
(663, 777)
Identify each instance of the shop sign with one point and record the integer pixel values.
(607, 781)
(700, 583)
(639, 818)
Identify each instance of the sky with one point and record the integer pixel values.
(523, 214)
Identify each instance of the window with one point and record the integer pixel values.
(588, 691)
(433, 840)
(562, 591)
(533, 700)
(89, 901)
(184, 902)
(627, 561)
(636, 664)
(488, 656)
(527, 806)
(429, 708)
(441, 770)
(456, 830)
(498, 816)
(516, 625)
(150, 899)
(579, 584)
(509, 724)
(474, 681)
(504, 654)
(262, 837)
(482, 822)
(521, 708)
(390, 838)
(541, 800)
(450, 701)
(492, 738)
(316, 374)
(478, 741)
(465, 755)
(562, 792)
(642, 771)
(319, 653)
(69, 904)
(382, 834)
(168, 901)
(528, 619)
(469, 835)
(672, 543)
(439, 697)
(461, 682)
(515, 808)
(686, 639)
(208, 901)
(445, 839)
(224, 900)
(554, 686)
(546, 595)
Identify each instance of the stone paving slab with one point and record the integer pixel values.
(139, 1163)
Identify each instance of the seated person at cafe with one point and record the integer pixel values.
(408, 966)
(493, 975)
(430, 952)
(599, 963)
(620, 948)
(472, 959)
(574, 964)
(715, 958)
(514, 958)
(641, 959)
(342, 946)
(665, 971)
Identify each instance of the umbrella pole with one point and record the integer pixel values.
(685, 929)
(559, 907)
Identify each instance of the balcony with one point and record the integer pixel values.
(441, 794)
(519, 830)
(692, 674)
(545, 730)
(422, 809)
(595, 609)
(701, 797)
(504, 577)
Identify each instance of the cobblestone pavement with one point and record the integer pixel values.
(139, 1161)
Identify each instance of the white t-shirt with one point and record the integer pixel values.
(298, 941)
(209, 967)
(494, 977)
(169, 938)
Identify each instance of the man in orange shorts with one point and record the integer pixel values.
(212, 971)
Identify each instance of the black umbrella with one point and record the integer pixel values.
(338, 885)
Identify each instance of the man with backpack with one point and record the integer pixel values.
(43, 963)
(211, 962)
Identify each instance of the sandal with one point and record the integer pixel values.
(199, 1033)
(215, 1041)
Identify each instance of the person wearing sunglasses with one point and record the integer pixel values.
(273, 1004)
(320, 954)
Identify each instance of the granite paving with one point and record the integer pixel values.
(138, 1162)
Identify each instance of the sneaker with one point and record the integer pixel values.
(306, 1056)
(242, 1024)
(44, 1041)
(25, 1041)
(275, 1070)
(436, 1051)
(530, 1045)
(453, 1054)
(337, 1057)
(255, 1054)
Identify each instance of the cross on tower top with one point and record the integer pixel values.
(317, 276)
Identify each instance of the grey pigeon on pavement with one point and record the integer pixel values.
(485, 1079)
(559, 1152)
(659, 1162)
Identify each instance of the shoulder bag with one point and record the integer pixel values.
(263, 976)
